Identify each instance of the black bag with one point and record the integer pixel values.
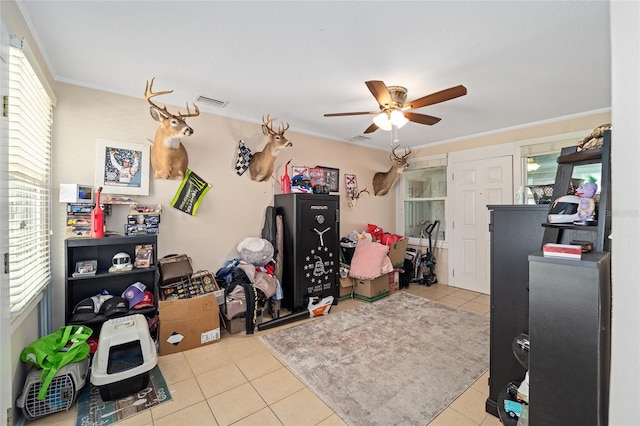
(174, 267)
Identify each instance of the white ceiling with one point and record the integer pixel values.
(521, 61)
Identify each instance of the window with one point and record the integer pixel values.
(28, 182)
(424, 198)
(539, 166)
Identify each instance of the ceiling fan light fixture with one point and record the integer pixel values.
(397, 118)
(387, 119)
(383, 121)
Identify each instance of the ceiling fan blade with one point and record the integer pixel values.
(436, 98)
(379, 91)
(421, 118)
(342, 114)
(371, 128)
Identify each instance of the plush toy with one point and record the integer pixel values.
(256, 251)
(587, 206)
(594, 140)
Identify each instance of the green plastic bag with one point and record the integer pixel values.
(55, 350)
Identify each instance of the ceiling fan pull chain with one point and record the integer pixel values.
(395, 135)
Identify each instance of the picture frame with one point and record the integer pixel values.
(332, 178)
(351, 185)
(122, 167)
(86, 268)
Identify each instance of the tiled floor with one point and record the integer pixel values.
(207, 383)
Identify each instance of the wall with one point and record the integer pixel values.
(558, 126)
(233, 209)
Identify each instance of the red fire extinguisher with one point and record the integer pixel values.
(97, 218)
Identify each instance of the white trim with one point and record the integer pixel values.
(485, 152)
(425, 161)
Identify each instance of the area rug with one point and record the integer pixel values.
(93, 411)
(397, 361)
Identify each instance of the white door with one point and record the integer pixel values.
(476, 184)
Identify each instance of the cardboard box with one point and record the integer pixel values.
(188, 323)
(397, 251)
(347, 286)
(394, 281)
(378, 288)
(371, 290)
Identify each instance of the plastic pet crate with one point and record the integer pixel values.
(61, 393)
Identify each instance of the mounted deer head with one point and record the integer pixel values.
(383, 182)
(169, 158)
(261, 164)
(354, 199)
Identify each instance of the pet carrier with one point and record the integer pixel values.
(61, 393)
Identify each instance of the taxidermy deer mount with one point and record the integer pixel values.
(169, 158)
(354, 199)
(383, 182)
(261, 164)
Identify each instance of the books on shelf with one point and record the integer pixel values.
(570, 251)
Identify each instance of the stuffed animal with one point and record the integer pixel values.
(587, 206)
(594, 140)
(256, 251)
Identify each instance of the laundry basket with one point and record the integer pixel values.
(61, 393)
(542, 193)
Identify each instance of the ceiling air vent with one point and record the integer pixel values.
(360, 138)
(206, 101)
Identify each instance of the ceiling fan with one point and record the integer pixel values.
(395, 111)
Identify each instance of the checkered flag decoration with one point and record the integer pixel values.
(244, 156)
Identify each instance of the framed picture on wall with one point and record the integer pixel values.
(332, 178)
(122, 167)
(351, 185)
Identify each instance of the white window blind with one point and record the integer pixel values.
(29, 116)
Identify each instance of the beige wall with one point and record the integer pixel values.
(551, 128)
(233, 209)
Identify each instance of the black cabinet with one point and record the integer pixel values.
(102, 251)
(311, 259)
(516, 232)
(570, 326)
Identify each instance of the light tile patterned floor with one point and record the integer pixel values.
(207, 384)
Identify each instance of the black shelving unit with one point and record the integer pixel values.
(569, 159)
(102, 250)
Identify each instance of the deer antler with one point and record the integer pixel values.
(189, 113)
(394, 156)
(267, 126)
(148, 94)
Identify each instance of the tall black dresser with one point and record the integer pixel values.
(516, 232)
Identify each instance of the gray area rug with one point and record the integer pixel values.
(398, 361)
